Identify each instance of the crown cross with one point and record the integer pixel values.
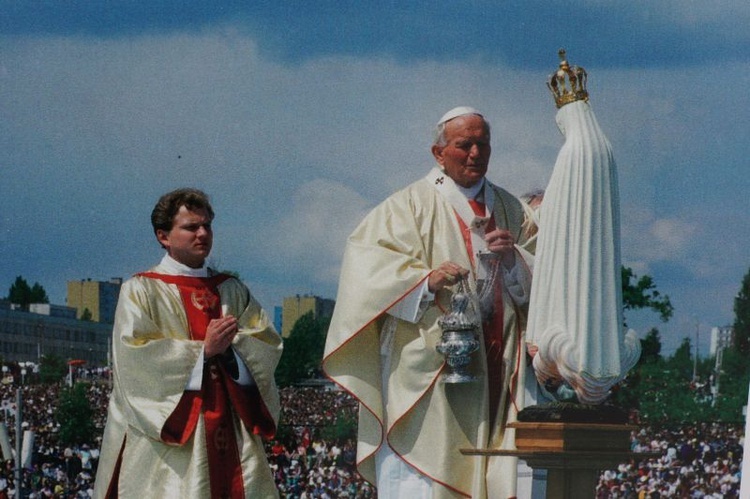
(568, 83)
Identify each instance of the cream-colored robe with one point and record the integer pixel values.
(390, 254)
(153, 358)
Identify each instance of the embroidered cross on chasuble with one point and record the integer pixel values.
(492, 326)
(218, 396)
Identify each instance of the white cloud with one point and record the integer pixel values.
(310, 235)
(649, 239)
(670, 235)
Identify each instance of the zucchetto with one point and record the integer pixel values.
(456, 112)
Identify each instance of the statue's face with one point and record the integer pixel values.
(466, 154)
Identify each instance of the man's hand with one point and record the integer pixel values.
(447, 274)
(219, 335)
(501, 242)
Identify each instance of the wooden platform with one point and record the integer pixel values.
(556, 437)
(574, 454)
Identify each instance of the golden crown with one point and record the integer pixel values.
(568, 83)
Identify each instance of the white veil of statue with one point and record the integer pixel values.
(575, 313)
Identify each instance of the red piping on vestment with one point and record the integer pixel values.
(419, 470)
(350, 392)
(385, 310)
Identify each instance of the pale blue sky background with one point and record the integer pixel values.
(298, 117)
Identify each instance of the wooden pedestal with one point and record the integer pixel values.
(574, 454)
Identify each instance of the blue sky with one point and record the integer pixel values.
(298, 117)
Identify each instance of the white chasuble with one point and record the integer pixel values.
(154, 356)
(403, 404)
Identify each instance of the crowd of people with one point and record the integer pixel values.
(53, 469)
(696, 461)
(310, 460)
(307, 460)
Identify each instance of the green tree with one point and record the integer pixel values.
(632, 392)
(52, 369)
(303, 350)
(681, 362)
(651, 347)
(343, 428)
(641, 292)
(665, 392)
(645, 393)
(75, 416)
(22, 294)
(86, 315)
(38, 294)
(733, 382)
(742, 317)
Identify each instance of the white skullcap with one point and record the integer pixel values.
(456, 112)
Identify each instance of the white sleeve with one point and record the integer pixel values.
(196, 376)
(244, 378)
(411, 307)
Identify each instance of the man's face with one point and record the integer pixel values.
(467, 151)
(190, 240)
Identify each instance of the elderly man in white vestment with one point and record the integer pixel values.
(194, 358)
(401, 267)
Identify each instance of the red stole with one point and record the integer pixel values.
(493, 327)
(200, 297)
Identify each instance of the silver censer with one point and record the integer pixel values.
(459, 340)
